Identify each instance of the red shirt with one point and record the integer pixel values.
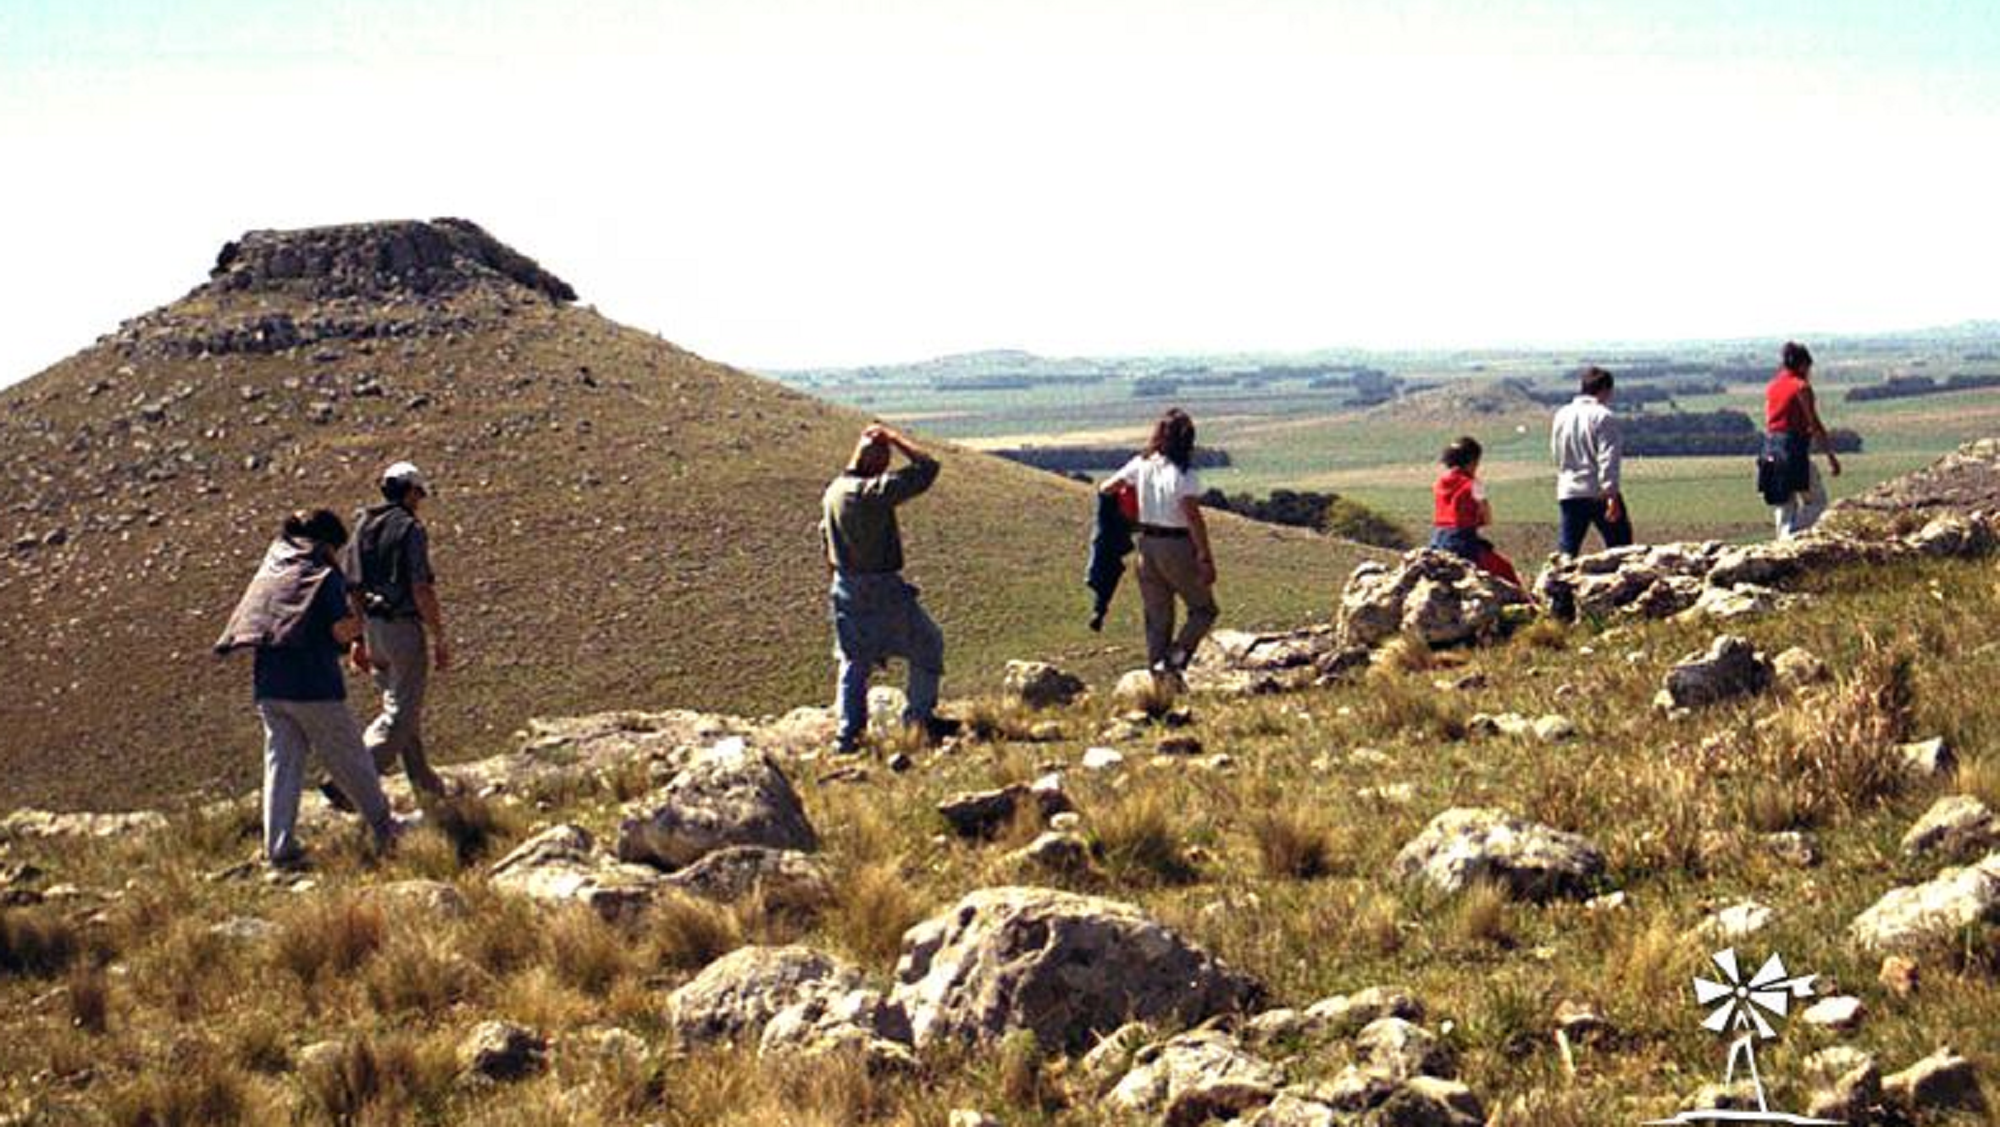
(1785, 404)
(1457, 497)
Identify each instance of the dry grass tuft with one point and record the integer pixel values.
(1405, 653)
(385, 1080)
(870, 912)
(688, 933)
(1396, 702)
(88, 993)
(1139, 835)
(1483, 914)
(418, 971)
(1294, 840)
(202, 1093)
(1838, 755)
(1021, 1079)
(36, 941)
(473, 825)
(588, 953)
(1544, 633)
(327, 936)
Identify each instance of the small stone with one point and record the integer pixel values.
(1102, 759)
(502, 1050)
(1928, 760)
(1738, 921)
(967, 1117)
(1554, 729)
(1840, 1012)
(1609, 902)
(1055, 851)
(1899, 975)
(1955, 826)
(1797, 668)
(1369, 757)
(1400, 1049)
(1581, 1021)
(1942, 1081)
(1038, 684)
(1182, 745)
(1067, 821)
(899, 762)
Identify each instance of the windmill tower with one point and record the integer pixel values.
(1739, 1008)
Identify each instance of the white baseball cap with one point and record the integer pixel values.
(406, 474)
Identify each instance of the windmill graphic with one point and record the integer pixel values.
(1740, 1009)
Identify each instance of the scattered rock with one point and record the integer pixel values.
(984, 813)
(1101, 759)
(1955, 827)
(734, 996)
(1178, 745)
(1943, 1081)
(1798, 668)
(1930, 760)
(1730, 668)
(244, 929)
(502, 1050)
(30, 823)
(1194, 1078)
(1581, 1022)
(728, 795)
(1344, 1015)
(1899, 975)
(1738, 921)
(1140, 690)
(1847, 1085)
(1839, 1012)
(1054, 851)
(431, 897)
(784, 877)
(1554, 729)
(969, 1117)
(1038, 684)
(562, 865)
(1466, 846)
(1063, 965)
(1913, 917)
(320, 1056)
(858, 1022)
(1794, 847)
(1399, 1050)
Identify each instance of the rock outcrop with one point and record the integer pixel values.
(375, 260)
(562, 865)
(730, 794)
(1466, 846)
(1433, 596)
(1919, 916)
(734, 997)
(1062, 965)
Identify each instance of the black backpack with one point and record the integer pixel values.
(380, 566)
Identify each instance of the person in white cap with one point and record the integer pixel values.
(389, 573)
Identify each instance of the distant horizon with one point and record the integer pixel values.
(784, 184)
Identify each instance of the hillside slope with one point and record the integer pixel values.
(618, 521)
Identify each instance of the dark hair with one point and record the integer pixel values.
(1173, 438)
(1596, 381)
(1796, 356)
(394, 490)
(322, 526)
(1463, 453)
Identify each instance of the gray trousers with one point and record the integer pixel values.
(1167, 569)
(402, 660)
(291, 728)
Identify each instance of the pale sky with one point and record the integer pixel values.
(779, 184)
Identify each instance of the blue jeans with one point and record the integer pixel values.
(875, 618)
(1579, 514)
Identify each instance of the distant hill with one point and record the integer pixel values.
(619, 522)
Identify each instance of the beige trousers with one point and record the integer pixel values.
(1167, 571)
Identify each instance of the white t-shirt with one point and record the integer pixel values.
(1161, 486)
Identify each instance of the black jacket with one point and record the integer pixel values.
(1110, 543)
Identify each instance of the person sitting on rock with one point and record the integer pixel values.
(1175, 559)
(296, 617)
(876, 615)
(1462, 509)
(1792, 485)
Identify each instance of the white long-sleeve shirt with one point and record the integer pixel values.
(1584, 440)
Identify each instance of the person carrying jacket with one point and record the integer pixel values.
(295, 616)
(1175, 560)
(876, 615)
(1795, 491)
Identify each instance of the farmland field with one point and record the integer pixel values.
(1303, 425)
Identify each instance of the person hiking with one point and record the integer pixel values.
(1461, 509)
(1175, 560)
(296, 617)
(1791, 483)
(393, 588)
(1584, 440)
(876, 615)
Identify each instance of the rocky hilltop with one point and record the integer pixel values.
(619, 522)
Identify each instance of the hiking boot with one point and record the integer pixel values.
(937, 729)
(847, 745)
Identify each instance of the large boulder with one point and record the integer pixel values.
(562, 865)
(1943, 1081)
(1917, 916)
(1465, 846)
(730, 794)
(1194, 1078)
(1434, 596)
(1038, 684)
(1731, 667)
(1062, 965)
(736, 995)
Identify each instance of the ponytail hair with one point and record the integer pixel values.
(321, 526)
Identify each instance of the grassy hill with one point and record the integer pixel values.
(618, 522)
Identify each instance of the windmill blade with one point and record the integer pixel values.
(1719, 1020)
(1726, 960)
(1706, 992)
(1777, 1001)
(1773, 971)
(1801, 987)
(1764, 1029)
